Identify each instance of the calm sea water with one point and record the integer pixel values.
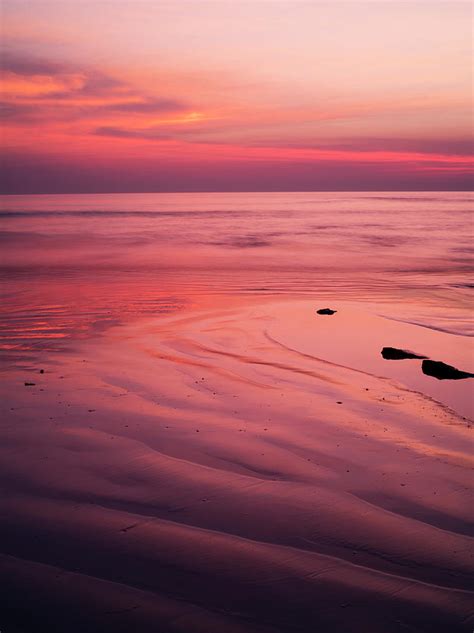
(75, 263)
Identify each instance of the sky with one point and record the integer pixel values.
(235, 95)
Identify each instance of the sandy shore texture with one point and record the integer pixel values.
(254, 468)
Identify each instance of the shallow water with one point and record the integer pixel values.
(74, 265)
(110, 256)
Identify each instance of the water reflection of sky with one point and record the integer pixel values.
(76, 263)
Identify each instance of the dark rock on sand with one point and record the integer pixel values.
(392, 353)
(441, 371)
(326, 311)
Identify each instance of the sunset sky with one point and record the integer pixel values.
(235, 95)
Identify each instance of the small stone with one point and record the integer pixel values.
(392, 353)
(441, 371)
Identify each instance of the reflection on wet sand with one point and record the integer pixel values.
(209, 471)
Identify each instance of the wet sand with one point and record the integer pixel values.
(245, 465)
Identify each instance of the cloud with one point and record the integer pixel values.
(188, 126)
(150, 106)
(39, 90)
(25, 65)
(29, 172)
(93, 81)
(18, 111)
(448, 146)
(123, 133)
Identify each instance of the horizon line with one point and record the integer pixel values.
(195, 191)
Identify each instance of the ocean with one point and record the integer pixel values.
(77, 261)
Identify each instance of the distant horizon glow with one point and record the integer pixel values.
(245, 96)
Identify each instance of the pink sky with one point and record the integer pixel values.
(235, 95)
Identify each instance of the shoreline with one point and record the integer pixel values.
(224, 460)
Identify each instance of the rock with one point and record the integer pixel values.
(326, 311)
(392, 353)
(30, 384)
(441, 371)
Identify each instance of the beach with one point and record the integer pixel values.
(188, 446)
